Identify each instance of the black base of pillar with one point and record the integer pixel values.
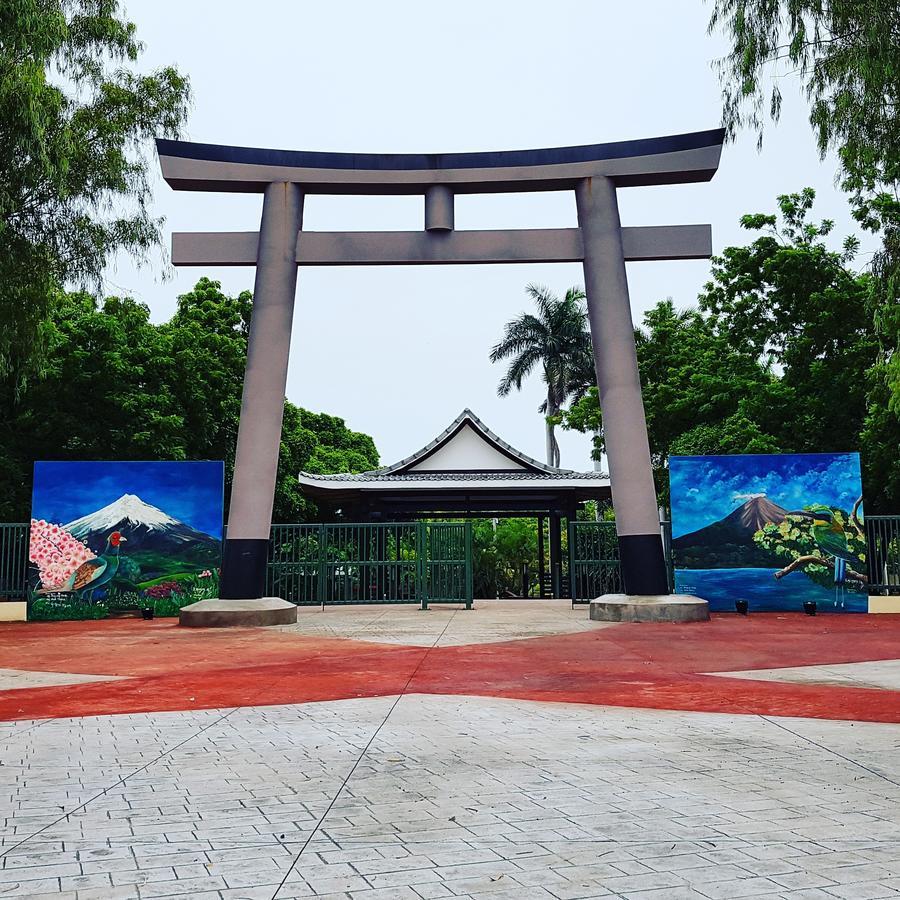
(244, 562)
(643, 564)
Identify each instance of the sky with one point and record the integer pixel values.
(706, 488)
(398, 352)
(188, 491)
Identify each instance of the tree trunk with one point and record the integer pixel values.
(552, 444)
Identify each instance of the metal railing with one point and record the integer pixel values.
(394, 562)
(593, 560)
(883, 539)
(13, 560)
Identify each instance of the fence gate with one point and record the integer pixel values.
(396, 562)
(593, 560)
(448, 563)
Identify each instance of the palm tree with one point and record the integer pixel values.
(558, 339)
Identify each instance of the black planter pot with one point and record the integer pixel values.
(742, 607)
(809, 607)
(147, 612)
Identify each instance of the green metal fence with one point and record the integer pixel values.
(447, 561)
(593, 560)
(13, 560)
(883, 538)
(396, 562)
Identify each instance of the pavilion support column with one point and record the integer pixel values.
(262, 406)
(555, 554)
(624, 426)
(542, 568)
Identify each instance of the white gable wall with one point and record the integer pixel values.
(467, 450)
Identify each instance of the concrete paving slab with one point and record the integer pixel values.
(881, 673)
(12, 679)
(388, 797)
(445, 625)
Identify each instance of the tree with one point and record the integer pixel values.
(698, 390)
(116, 386)
(558, 340)
(74, 121)
(791, 300)
(500, 550)
(846, 54)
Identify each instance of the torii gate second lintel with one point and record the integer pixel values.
(600, 243)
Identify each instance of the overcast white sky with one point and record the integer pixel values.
(398, 352)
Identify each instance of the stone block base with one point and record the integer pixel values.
(228, 613)
(879, 604)
(666, 608)
(13, 610)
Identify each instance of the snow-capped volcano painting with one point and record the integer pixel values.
(107, 535)
(144, 526)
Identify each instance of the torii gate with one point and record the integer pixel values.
(600, 242)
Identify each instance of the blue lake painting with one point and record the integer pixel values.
(721, 587)
(737, 521)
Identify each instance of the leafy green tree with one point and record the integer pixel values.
(516, 541)
(484, 559)
(117, 386)
(558, 340)
(694, 382)
(789, 299)
(846, 54)
(500, 551)
(75, 120)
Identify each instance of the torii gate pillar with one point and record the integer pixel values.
(593, 172)
(262, 404)
(624, 425)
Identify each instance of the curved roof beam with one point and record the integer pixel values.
(674, 159)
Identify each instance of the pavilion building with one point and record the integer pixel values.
(467, 471)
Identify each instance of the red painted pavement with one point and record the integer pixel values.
(655, 666)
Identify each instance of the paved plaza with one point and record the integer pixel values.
(437, 787)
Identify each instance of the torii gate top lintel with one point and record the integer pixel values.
(675, 159)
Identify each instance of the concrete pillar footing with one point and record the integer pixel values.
(219, 613)
(652, 608)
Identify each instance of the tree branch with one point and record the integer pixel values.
(854, 517)
(801, 562)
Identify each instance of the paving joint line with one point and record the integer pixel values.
(827, 749)
(125, 778)
(119, 781)
(361, 756)
(37, 724)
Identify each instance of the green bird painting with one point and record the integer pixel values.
(830, 538)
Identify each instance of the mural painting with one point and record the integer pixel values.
(111, 536)
(775, 530)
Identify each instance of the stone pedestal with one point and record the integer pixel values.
(219, 613)
(13, 610)
(663, 608)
